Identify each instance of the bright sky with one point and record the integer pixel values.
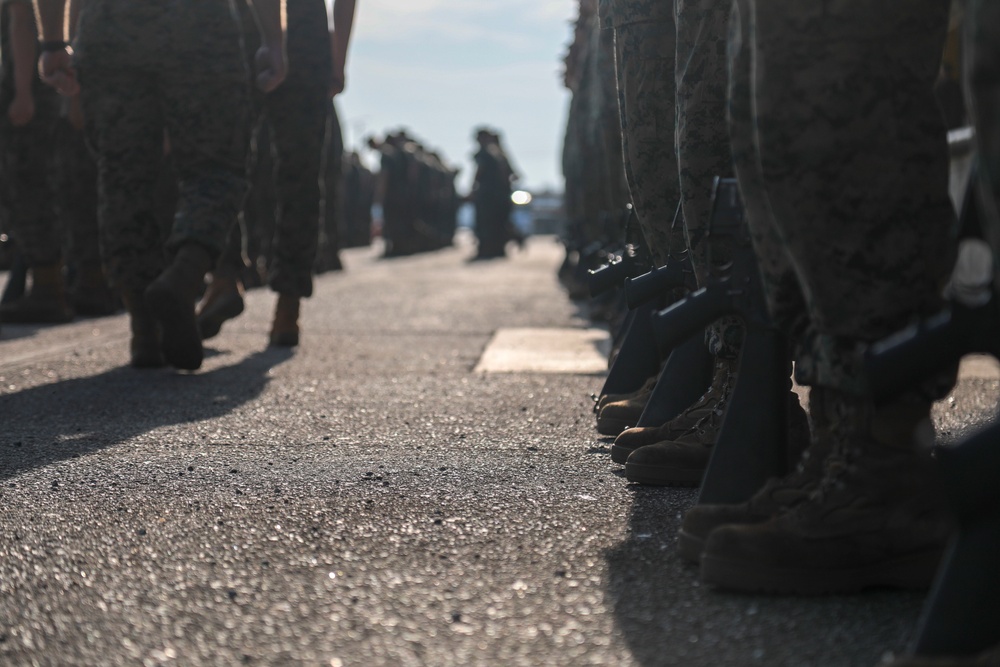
(442, 67)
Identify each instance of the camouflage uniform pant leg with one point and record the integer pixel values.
(207, 112)
(603, 172)
(645, 64)
(702, 140)
(982, 75)
(76, 174)
(333, 213)
(853, 159)
(297, 118)
(144, 70)
(26, 156)
(785, 300)
(127, 136)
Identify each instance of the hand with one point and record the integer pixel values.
(21, 110)
(337, 82)
(271, 66)
(56, 69)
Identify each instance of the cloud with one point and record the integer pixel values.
(509, 23)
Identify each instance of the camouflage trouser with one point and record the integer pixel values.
(151, 67)
(841, 155)
(331, 187)
(703, 151)
(604, 192)
(76, 189)
(982, 75)
(644, 58)
(26, 186)
(295, 115)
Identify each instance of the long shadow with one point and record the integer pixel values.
(668, 618)
(66, 419)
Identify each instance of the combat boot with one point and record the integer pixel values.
(778, 494)
(144, 347)
(604, 399)
(90, 295)
(876, 517)
(223, 301)
(45, 301)
(615, 416)
(171, 299)
(285, 328)
(713, 401)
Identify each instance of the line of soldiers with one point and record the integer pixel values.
(166, 177)
(416, 188)
(48, 188)
(825, 115)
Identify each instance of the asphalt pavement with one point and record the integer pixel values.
(384, 494)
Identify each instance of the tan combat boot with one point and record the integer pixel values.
(223, 301)
(711, 402)
(615, 416)
(171, 299)
(876, 517)
(776, 496)
(285, 328)
(45, 301)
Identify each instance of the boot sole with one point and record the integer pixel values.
(690, 546)
(181, 340)
(915, 571)
(210, 321)
(148, 359)
(620, 454)
(612, 426)
(284, 340)
(654, 475)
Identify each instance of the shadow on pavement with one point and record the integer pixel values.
(668, 618)
(66, 419)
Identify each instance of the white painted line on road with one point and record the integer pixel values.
(565, 351)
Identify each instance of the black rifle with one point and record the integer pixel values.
(936, 344)
(962, 615)
(753, 442)
(617, 270)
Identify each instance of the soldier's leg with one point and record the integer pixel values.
(331, 194)
(644, 38)
(131, 236)
(784, 297)
(76, 173)
(207, 113)
(702, 141)
(28, 154)
(297, 121)
(857, 183)
(645, 51)
(702, 148)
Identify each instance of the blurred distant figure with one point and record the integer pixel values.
(491, 194)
